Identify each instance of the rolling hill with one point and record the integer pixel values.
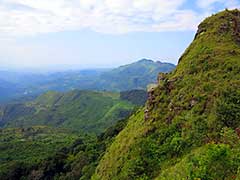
(86, 111)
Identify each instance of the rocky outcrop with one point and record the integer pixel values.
(150, 101)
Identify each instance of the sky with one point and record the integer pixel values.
(78, 34)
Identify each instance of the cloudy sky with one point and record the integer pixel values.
(98, 33)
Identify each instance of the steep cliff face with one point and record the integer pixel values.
(190, 125)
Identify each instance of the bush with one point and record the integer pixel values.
(228, 109)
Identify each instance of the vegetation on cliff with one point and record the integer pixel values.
(191, 125)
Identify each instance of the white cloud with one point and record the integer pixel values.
(31, 17)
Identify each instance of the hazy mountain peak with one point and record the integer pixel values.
(144, 60)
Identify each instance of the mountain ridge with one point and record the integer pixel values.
(136, 75)
(189, 125)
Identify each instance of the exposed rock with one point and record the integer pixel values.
(161, 77)
(146, 114)
(151, 96)
(233, 52)
(224, 27)
(237, 130)
(170, 85)
(151, 87)
(200, 31)
(193, 102)
(236, 27)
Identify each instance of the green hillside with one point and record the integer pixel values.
(190, 126)
(85, 111)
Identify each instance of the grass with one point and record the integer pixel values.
(192, 106)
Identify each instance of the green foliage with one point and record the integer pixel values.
(210, 162)
(216, 162)
(228, 108)
(190, 129)
(23, 148)
(46, 153)
(138, 97)
(84, 111)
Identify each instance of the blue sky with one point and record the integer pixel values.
(98, 33)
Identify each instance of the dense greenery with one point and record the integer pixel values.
(46, 153)
(85, 111)
(190, 126)
(21, 149)
(138, 97)
(133, 76)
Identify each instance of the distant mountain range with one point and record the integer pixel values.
(128, 77)
(132, 76)
(8, 90)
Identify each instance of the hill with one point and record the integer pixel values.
(190, 126)
(86, 111)
(133, 76)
